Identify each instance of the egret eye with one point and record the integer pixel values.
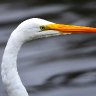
(42, 28)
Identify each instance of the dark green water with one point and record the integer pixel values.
(57, 66)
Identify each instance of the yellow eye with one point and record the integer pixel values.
(42, 28)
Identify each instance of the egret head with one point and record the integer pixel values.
(37, 28)
(33, 25)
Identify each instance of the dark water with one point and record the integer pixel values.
(57, 66)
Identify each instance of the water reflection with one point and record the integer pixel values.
(71, 79)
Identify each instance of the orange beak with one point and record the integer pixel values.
(70, 28)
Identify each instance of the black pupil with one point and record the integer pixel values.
(43, 27)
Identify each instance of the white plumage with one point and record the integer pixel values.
(27, 30)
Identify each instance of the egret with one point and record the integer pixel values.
(28, 30)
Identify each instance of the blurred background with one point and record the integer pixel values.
(56, 66)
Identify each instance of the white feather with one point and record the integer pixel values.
(27, 30)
